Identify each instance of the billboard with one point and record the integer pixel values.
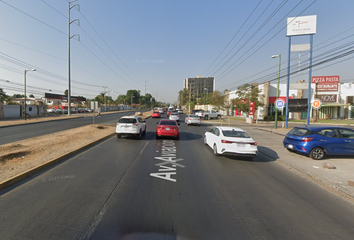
(298, 105)
(303, 25)
(327, 97)
(326, 87)
(325, 79)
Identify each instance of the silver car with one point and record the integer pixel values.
(174, 116)
(192, 119)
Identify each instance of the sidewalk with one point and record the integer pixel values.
(341, 178)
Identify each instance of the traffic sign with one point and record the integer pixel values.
(316, 103)
(279, 103)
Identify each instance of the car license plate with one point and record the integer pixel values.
(290, 146)
(240, 144)
(167, 129)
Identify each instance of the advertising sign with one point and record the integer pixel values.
(316, 103)
(251, 108)
(325, 79)
(326, 87)
(298, 105)
(279, 103)
(327, 97)
(303, 25)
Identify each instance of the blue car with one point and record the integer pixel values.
(319, 141)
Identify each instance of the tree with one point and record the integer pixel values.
(3, 95)
(18, 96)
(31, 96)
(217, 100)
(66, 92)
(132, 96)
(247, 93)
(121, 99)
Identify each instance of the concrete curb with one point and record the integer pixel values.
(42, 167)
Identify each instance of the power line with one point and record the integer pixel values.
(33, 17)
(233, 36)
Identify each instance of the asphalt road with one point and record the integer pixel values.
(125, 189)
(21, 132)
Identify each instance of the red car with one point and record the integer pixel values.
(167, 128)
(155, 115)
(168, 113)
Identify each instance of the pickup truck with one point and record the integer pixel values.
(208, 114)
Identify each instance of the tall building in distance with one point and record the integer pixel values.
(199, 85)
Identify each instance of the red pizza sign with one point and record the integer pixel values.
(251, 108)
(325, 79)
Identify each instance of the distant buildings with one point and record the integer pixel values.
(199, 85)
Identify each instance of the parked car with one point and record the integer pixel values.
(174, 116)
(319, 141)
(180, 111)
(59, 111)
(230, 141)
(192, 119)
(51, 110)
(155, 114)
(208, 114)
(131, 126)
(167, 128)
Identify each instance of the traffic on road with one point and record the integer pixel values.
(174, 188)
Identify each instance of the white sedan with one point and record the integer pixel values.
(230, 141)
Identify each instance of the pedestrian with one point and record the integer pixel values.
(99, 112)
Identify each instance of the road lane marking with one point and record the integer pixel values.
(143, 148)
(168, 156)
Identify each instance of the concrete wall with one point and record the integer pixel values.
(32, 110)
(12, 111)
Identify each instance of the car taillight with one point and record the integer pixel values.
(201, 114)
(254, 143)
(136, 124)
(189, 119)
(160, 127)
(117, 123)
(175, 128)
(306, 139)
(198, 119)
(225, 141)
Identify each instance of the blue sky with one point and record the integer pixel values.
(138, 44)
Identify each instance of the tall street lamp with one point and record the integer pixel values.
(276, 109)
(26, 70)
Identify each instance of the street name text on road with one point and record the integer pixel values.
(168, 157)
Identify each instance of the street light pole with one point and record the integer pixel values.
(276, 109)
(25, 88)
(206, 97)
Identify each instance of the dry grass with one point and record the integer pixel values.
(18, 157)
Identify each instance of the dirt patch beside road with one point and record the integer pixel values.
(19, 157)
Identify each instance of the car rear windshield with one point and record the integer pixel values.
(300, 132)
(127, 120)
(167, 123)
(233, 133)
(193, 116)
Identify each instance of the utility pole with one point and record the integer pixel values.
(69, 37)
(145, 93)
(104, 98)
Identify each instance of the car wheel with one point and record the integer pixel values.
(206, 117)
(205, 140)
(218, 117)
(140, 135)
(317, 153)
(145, 131)
(215, 150)
(157, 137)
(177, 138)
(119, 136)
